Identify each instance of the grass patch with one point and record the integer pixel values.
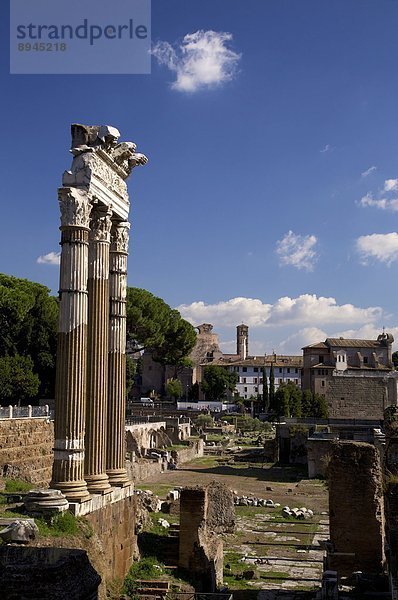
(251, 511)
(156, 528)
(158, 489)
(146, 569)
(205, 461)
(61, 525)
(13, 486)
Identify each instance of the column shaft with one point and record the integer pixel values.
(97, 355)
(117, 355)
(70, 392)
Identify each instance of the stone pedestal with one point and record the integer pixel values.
(70, 387)
(97, 356)
(115, 463)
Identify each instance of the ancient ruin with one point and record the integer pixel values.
(90, 384)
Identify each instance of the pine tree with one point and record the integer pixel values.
(265, 391)
(272, 388)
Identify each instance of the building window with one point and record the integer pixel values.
(245, 390)
(296, 381)
(365, 360)
(296, 370)
(244, 369)
(280, 370)
(323, 383)
(288, 370)
(149, 368)
(319, 372)
(256, 389)
(243, 379)
(254, 379)
(321, 359)
(281, 381)
(255, 369)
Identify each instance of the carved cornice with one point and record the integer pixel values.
(75, 207)
(100, 225)
(120, 237)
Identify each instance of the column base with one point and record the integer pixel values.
(74, 491)
(98, 484)
(119, 478)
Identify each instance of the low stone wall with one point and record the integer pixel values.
(143, 468)
(194, 450)
(26, 445)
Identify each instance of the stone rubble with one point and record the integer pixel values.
(19, 531)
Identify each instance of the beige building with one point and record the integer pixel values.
(356, 377)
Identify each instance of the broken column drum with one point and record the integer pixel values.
(90, 380)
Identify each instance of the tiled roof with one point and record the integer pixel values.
(345, 343)
(260, 361)
(320, 345)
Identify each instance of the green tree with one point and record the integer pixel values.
(306, 403)
(272, 387)
(319, 407)
(18, 383)
(130, 374)
(174, 388)
(156, 327)
(217, 381)
(395, 359)
(193, 392)
(314, 405)
(294, 399)
(265, 391)
(281, 402)
(28, 327)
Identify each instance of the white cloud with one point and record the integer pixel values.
(379, 246)
(302, 337)
(202, 60)
(391, 185)
(383, 203)
(368, 171)
(307, 310)
(52, 258)
(297, 251)
(326, 148)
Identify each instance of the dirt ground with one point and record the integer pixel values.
(285, 554)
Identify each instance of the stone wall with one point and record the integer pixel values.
(355, 509)
(114, 525)
(200, 550)
(194, 450)
(318, 455)
(27, 446)
(352, 397)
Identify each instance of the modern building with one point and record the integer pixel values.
(356, 377)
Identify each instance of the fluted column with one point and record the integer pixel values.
(115, 465)
(97, 354)
(70, 389)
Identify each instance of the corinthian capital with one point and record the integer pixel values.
(120, 237)
(100, 225)
(75, 207)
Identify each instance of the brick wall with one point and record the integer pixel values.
(27, 445)
(355, 508)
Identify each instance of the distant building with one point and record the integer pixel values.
(250, 368)
(207, 351)
(356, 377)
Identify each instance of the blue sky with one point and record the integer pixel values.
(270, 196)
